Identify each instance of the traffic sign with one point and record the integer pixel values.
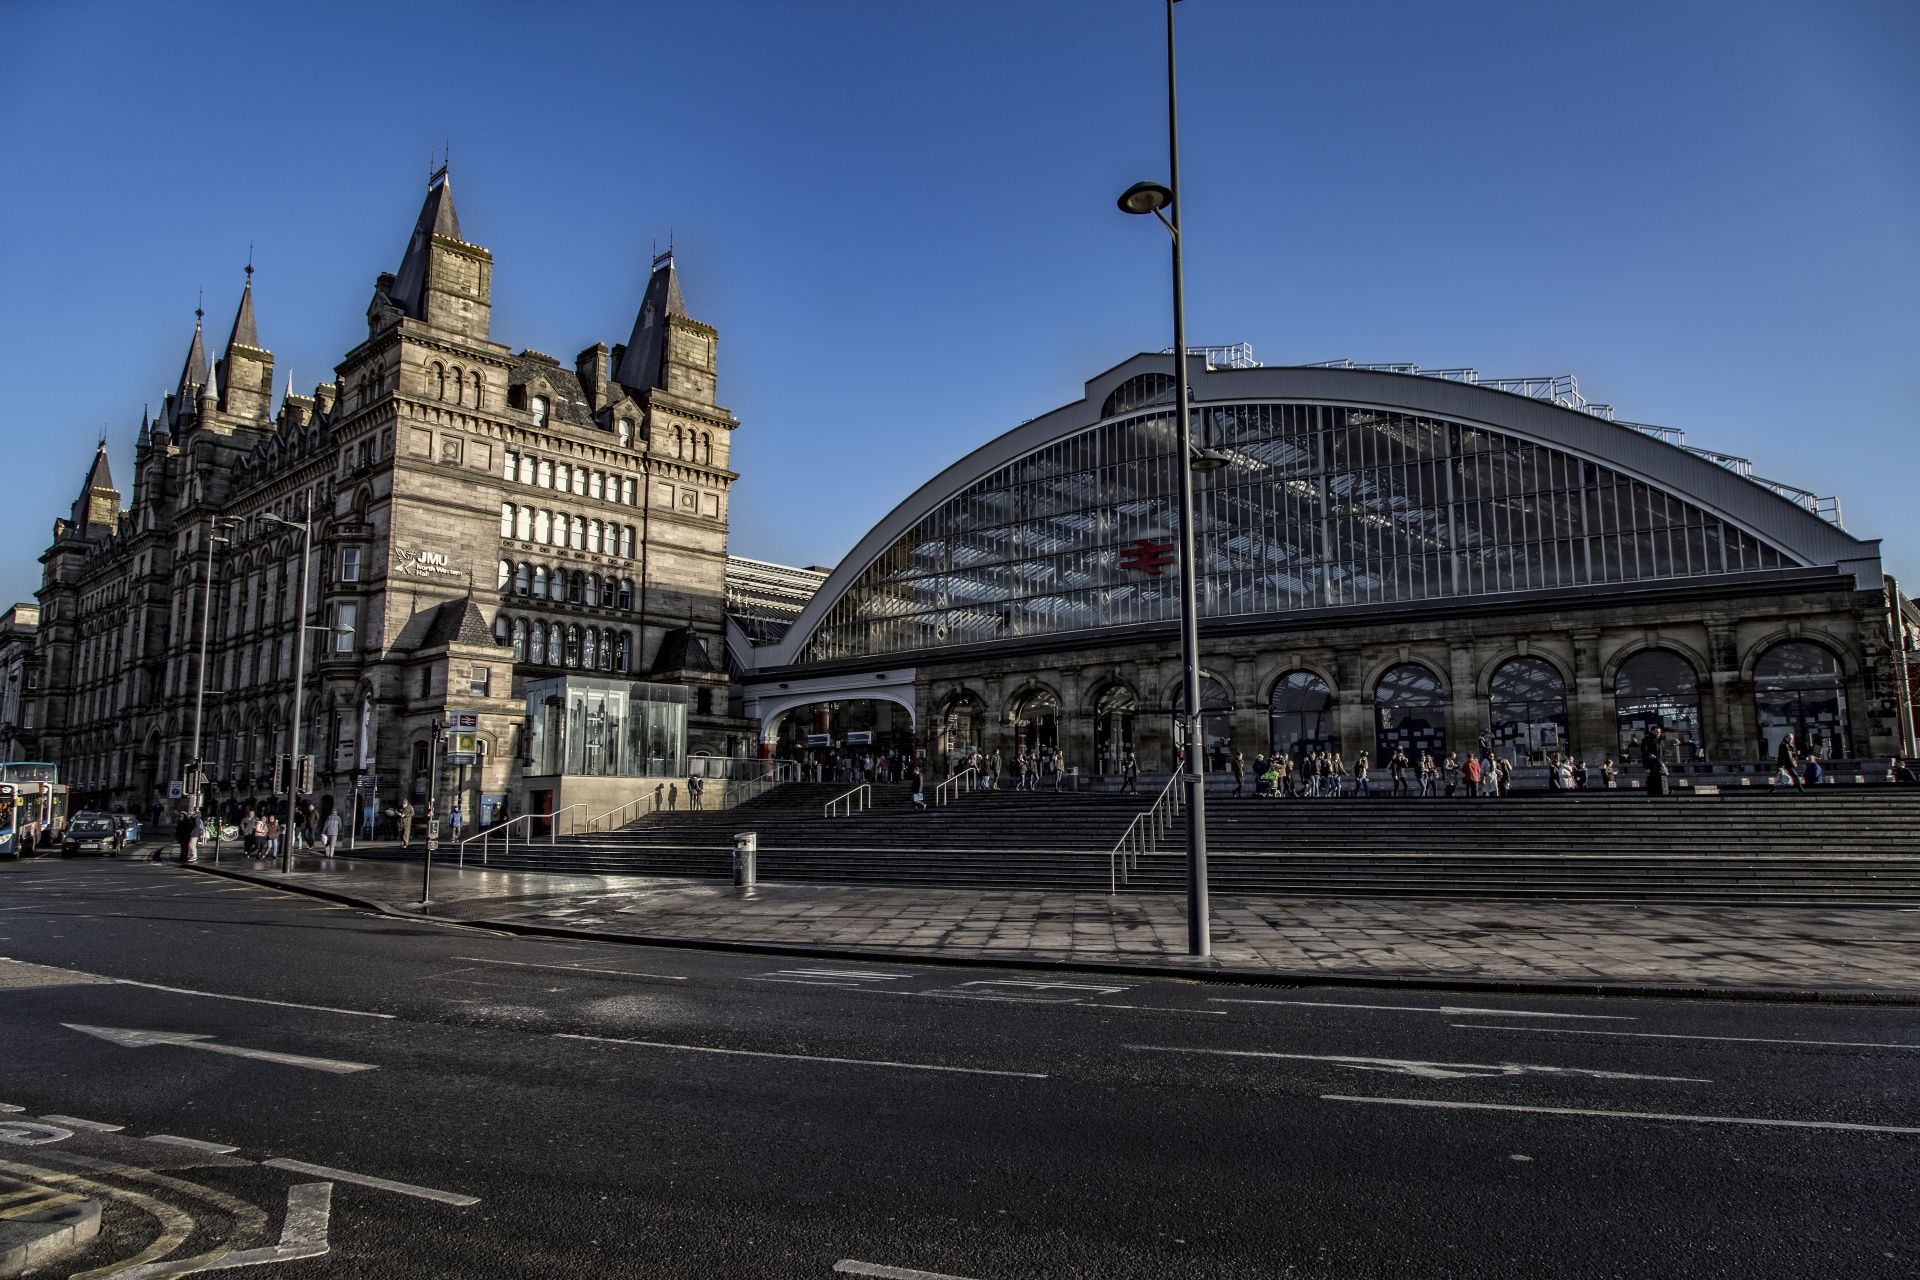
(176, 789)
(462, 746)
(463, 720)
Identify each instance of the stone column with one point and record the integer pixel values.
(1249, 736)
(1353, 714)
(1467, 717)
(1720, 719)
(1590, 732)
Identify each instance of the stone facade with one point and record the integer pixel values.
(462, 497)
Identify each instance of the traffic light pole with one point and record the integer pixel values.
(299, 685)
(433, 823)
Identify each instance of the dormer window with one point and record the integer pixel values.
(538, 406)
(624, 429)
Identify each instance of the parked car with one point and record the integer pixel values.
(130, 830)
(91, 833)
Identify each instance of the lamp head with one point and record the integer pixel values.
(1209, 460)
(1145, 197)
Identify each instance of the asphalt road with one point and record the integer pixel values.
(630, 1111)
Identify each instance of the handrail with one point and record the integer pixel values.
(505, 831)
(966, 780)
(1143, 833)
(861, 797)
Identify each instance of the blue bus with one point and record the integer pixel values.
(33, 804)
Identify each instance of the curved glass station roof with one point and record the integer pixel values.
(1324, 505)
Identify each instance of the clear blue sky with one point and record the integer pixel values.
(900, 215)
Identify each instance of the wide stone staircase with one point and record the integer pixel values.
(1855, 845)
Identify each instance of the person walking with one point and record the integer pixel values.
(1239, 766)
(697, 787)
(1130, 774)
(1655, 762)
(404, 815)
(919, 793)
(1502, 776)
(330, 832)
(1362, 776)
(1397, 771)
(1470, 775)
(1609, 775)
(1429, 774)
(273, 837)
(1787, 765)
(187, 832)
(1450, 772)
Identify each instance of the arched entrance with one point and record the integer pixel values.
(1658, 687)
(1300, 714)
(1216, 721)
(957, 725)
(1410, 713)
(1113, 713)
(1797, 689)
(1529, 709)
(1036, 721)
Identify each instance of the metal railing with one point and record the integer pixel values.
(861, 797)
(1144, 832)
(968, 779)
(504, 831)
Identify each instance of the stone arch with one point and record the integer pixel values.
(1171, 691)
(1264, 686)
(1371, 679)
(1610, 669)
(1849, 663)
(1483, 682)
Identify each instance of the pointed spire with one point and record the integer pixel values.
(194, 372)
(100, 474)
(146, 428)
(645, 360)
(211, 389)
(244, 333)
(437, 218)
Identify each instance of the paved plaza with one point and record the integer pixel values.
(1841, 950)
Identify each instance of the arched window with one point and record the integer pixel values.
(573, 646)
(626, 541)
(459, 380)
(626, 593)
(519, 639)
(596, 485)
(1529, 708)
(437, 380)
(1300, 714)
(553, 643)
(545, 473)
(580, 482)
(1113, 716)
(1036, 721)
(522, 578)
(593, 535)
(1797, 689)
(506, 519)
(538, 406)
(593, 588)
(523, 523)
(590, 650)
(538, 652)
(473, 386)
(679, 443)
(561, 476)
(1410, 713)
(543, 526)
(506, 574)
(1657, 687)
(627, 491)
(500, 628)
(577, 534)
(540, 582)
(622, 653)
(623, 429)
(526, 469)
(1216, 720)
(576, 587)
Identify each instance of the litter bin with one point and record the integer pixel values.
(746, 847)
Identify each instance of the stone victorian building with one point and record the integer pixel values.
(1388, 560)
(481, 519)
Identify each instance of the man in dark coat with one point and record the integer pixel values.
(1655, 762)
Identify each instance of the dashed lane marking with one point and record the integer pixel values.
(1156, 1008)
(1418, 1008)
(851, 1267)
(576, 968)
(194, 1144)
(130, 1038)
(1424, 1070)
(1673, 1035)
(215, 995)
(368, 1180)
(75, 1122)
(805, 1057)
(1626, 1115)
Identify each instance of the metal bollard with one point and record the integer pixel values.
(746, 848)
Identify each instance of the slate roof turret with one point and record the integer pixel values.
(437, 218)
(644, 362)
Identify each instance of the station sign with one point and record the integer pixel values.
(819, 740)
(463, 747)
(860, 738)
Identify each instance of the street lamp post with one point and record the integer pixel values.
(1143, 198)
(200, 685)
(299, 670)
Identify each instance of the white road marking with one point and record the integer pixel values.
(25, 1133)
(575, 968)
(8, 1106)
(302, 1235)
(1627, 1115)
(368, 1180)
(806, 1057)
(809, 982)
(132, 1039)
(1155, 1008)
(213, 1148)
(216, 995)
(75, 1122)
(849, 1267)
(1671, 1035)
(1033, 985)
(862, 974)
(1425, 1070)
(1442, 1008)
